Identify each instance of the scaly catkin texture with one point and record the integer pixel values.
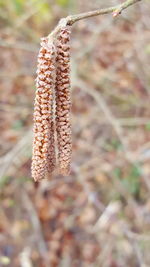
(43, 159)
(63, 101)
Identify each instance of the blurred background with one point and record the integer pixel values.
(99, 216)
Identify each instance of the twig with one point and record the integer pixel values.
(112, 120)
(15, 153)
(108, 217)
(41, 243)
(136, 248)
(116, 10)
(25, 258)
(19, 45)
(136, 236)
(70, 20)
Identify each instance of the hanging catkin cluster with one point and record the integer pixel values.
(53, 83)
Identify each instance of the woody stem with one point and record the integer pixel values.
(116, 10)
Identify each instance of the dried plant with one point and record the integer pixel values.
(43, 143)
(54, 74)
(63, 101)
(50, 66)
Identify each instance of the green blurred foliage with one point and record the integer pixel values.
(4, 180)
(19, 8)
(113, 145)
(63, 3)
(147, 126)
(117, 173)
(130, 181)
(147, 49)
(17, 125)
(32, 18)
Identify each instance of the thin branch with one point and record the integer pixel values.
(70, 20)
(37, 228)
(116, 10)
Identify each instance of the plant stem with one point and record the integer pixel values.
(70, 20)
(116, 10)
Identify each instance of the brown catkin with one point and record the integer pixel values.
(43, 159)
(63, 101)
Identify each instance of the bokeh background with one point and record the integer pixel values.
(99, 216)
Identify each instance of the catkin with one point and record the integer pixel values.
(63, 101)
(43, 159)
